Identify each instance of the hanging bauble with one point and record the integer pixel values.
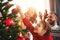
(15, 10)
(20, 38)
(9, 22)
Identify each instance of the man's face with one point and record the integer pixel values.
(52, 19)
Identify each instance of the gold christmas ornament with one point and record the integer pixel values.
(6, 28)
(0, 20)
(3, 10)
(19, 23)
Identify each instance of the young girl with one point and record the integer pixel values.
(37, 35)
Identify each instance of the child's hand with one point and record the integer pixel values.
(20, 11)
(18, 8)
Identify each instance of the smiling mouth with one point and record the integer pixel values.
(52, 23)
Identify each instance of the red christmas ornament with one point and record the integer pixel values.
(15, 10)
(9, 22)
(21, 38)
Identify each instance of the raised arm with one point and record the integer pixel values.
(20, 11)
(25, 20)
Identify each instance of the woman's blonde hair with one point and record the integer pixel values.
(31, 13)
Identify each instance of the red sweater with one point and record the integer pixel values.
(35, 35)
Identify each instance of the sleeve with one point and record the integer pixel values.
(48, 37)
(27, 23)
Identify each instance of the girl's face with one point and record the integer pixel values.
(40, 29)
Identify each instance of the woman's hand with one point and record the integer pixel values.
(20, 11)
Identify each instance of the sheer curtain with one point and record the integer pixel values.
(40, 5)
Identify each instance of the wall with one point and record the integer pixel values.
(57, 9)
(55, 6)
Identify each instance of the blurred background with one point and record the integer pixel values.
(42, 5)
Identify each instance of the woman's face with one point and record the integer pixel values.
(31, 14)
(33, 18)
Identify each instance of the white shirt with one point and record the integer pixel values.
(55, 30)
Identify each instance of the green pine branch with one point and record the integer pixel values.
(4, 3)
(4, 7)
(11, 32)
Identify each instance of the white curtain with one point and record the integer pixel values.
(40, 5)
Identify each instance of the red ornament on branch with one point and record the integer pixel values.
(9, 22)
(21, 38)
(14, 10)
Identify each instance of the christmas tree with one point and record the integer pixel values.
(10, 28)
